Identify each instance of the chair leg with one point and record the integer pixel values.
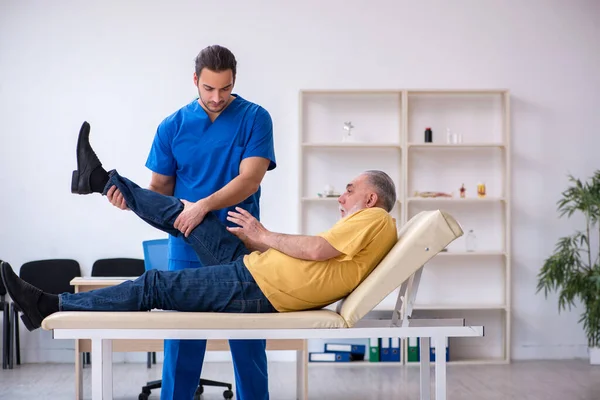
(154, 357)
(17, 340)
(5, 334)
(149, 360)
(11, 349)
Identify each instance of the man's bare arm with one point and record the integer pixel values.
(162, 184)
(252, 172)
(252, 232)
(300, 246)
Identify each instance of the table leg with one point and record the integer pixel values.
(102, 385)
(425, 369)
(302, 372)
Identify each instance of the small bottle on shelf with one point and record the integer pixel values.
(471, 241)
(463, 191)
(481, 190)
(428, 135)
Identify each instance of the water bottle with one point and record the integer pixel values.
(470, 241)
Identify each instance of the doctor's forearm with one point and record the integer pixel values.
(236, 191)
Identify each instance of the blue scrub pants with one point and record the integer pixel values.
(183, 363)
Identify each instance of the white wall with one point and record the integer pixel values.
(124, 66)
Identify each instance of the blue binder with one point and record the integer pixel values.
(329, 357)
(345, 348)
(432, 352)
(395, 349)
(385, 352)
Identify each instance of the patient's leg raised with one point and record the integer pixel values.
(211, 241)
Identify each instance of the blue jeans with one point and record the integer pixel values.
(223, 285)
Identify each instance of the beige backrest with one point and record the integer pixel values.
(421, 238)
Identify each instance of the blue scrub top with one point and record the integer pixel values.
(204, 156)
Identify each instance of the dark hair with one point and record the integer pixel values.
(384, 187)
(216, 58)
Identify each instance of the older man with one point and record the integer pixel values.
(250, 269)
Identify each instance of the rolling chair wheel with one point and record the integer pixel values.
(228, 394)
(143, 396)
(199, 390)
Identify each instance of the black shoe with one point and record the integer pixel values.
(87, 162)
(24, 295)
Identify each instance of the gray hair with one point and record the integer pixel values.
(384, 187)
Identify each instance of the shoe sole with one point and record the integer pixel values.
(26, 321)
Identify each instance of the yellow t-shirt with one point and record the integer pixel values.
(292, 284)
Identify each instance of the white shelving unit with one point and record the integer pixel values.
(388, 134)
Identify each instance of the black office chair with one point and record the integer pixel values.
(5, 308)
(118, 267)
(51, 276)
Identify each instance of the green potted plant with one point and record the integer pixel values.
(573, 270)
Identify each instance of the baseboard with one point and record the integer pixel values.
(550, 352)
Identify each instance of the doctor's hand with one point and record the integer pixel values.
(115, 197)
(191, 216)
(249, 230)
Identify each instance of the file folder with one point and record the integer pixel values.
(384, 349)
(346, 348)
(329, 357)
(395, 349)
(413, 350)
(432, 352)
(374, 349)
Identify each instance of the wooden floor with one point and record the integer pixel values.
(531, 380)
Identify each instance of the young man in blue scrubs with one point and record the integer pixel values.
(214, 152)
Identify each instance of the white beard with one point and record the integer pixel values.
(351, 211)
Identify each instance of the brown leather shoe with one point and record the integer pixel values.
(87, 161)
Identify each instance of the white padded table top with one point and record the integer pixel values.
(313, 319)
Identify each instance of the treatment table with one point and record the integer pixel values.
(420, 239)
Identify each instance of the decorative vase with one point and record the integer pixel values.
(594, 355)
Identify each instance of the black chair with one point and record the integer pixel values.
(51, 276)
(118, 267)
(115, 267)
(5, 308)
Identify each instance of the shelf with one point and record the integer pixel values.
(409, 92)
(482, 361)
(328, 199)
(456, 200)
(330, 92)
(469, 254)
(456, 146)
(461, 307)
(475, 92)
(325, 199)
(354, 145)
(367, 363)
(389, 124)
